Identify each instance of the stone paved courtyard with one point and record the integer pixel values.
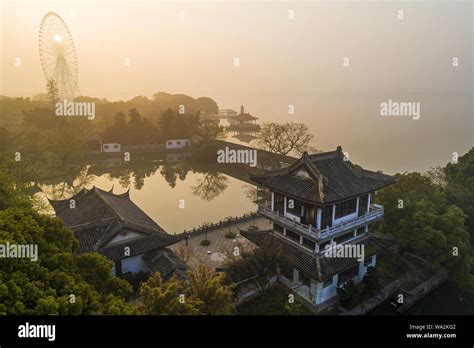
(194, 254)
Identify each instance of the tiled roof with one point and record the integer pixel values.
(96, 204)
(166, 262)
(90, 240)
(139, 246)
(99, 216)
(324, 178)
(242, 117)
(313, 265)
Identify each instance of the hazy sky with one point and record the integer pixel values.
(282, 61)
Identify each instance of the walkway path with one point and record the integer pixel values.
(215, 254)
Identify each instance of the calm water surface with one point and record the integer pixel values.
(162, 190)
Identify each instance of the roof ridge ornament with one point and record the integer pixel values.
(316, 173)
(352, 167)
(126, 194)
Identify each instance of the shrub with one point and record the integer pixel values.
(371, 281)
(350, 295)
(205, 242)
(230, 235)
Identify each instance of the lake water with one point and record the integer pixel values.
(177, 196)
(447, 299)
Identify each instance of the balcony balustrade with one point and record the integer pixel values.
(375, 213)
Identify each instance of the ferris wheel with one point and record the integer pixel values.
(58, 55)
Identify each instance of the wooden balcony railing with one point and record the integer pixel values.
(375, 213)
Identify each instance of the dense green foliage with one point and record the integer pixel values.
(152, 108)
(273, 301)
(428, 219)
(260, 265)
(60, 281)
(201, 293)
(460, 187)
(59, 145)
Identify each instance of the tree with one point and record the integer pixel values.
(422, 220)
(95, 269)
(52, 90)
(136, 131)
(16, 183)
(210, 186)
(60, 146)
(53, 284)
(202, 293)
(460, 187)
(56, 283)
(211, 131)
(285, 138)
(213, 296)
(166, 298)
(165, 124)
(437, 176)
(350, 294)
(4, 137)
(261, 265)
(118, 131)
(174, 126)
(371, 282)
(41, 118)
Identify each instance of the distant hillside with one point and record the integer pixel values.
(173, 101)
(11, 108)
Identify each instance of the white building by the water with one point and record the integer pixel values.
(177, 143)
(322, 201)
(111, 147)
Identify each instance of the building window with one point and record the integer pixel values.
(326, 217)
(346, 208)
(115, 146)
(295, 208)
(327, 282)
(170, 143)
(278, 203)
(178, 142)
(309, 243)
(363, 200)
(303, 278)
(106, 147)
(293, 236)
(278, 228)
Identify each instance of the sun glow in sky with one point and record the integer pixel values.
(191, 47)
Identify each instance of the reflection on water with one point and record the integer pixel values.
(211, 186)
(158, 186)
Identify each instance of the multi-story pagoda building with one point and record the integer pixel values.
(319, 203)
(244, 126)
(111, 224)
